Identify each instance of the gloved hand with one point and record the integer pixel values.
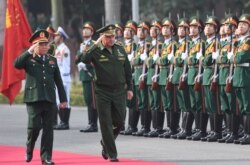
(230, 55)
(81, 66)
(184, 56)
(143, 56)
(170, 56)
(215, 55)
(154, 78)
(198, 55)
(130, 56)
(142, 75)
(155, 57)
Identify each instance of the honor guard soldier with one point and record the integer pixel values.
(52, 34)
(227, 95)
(42, 75)
(130, 47)
(62, 55)
(241, 77)
(87, 77)
(152, 81)
(193, 61)
(179, 74)
(112, 85)
(119, 33)
(168, 31)
(140, 77)
(209, 79)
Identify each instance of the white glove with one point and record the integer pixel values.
(170, 56)
(184, 56)
(143, 56)
(142, 75)
(215, 55)
(81, 66)
(154, 78)
(198, 55)
(82, 48)
(130, 56)
(155, 57)
(230, 55)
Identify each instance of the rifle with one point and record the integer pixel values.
(169, 85)
(228, 87)
(142, 83)
(182, 83)
(154, 78)
(197, 79)
(214, 80)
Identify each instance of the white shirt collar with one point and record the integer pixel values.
(86, 41)
(180, 40)
(127, 41)
(242, 38)
(195, 39)
(154, 42)
(167, 41)
(209, 40)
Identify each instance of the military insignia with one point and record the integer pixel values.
(103, 59)
(102, 56)
(42, 34)
(32, 60)
(51, 62)
(65, 54)
(245, 47)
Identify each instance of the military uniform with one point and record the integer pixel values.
(42, 77)
(62, 54)
(113, 79)
(86, 77)
(241, 79)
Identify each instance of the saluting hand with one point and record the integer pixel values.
(99, 39)
(33, 49)
(129, 95)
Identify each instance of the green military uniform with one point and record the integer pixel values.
(139, 66)
(42, 74)
(241, 79)
(113, 78)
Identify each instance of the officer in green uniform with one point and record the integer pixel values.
(87, 76)
(182, 104)
(228, 98)
(113, 83)
(130, 47)
(152, 81)
(241, 78)
(140, 77)
(42, 74)
(212, 105)
(167, 52)
(196, 51)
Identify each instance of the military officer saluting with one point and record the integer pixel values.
(112, 85)
(42, 75)
(87, 77)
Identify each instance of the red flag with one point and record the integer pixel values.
(17, 33)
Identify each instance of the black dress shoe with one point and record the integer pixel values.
(129, 131)
(198, 136)
(223, 140)
(214, 137)
(231, 138)
(104, 152)
(90, 129)
(184, 134)
(153, 134)
(246, 140)
(28, 156)
(114, 160)
(237, 141)
(47, 162)
(62, 126)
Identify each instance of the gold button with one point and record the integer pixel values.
(44, 84)
(44, 78)
(43, 65)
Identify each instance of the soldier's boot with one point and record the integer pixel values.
(55, 122)
(217, 128)
(203, 127)
(132, 122)
(188, 126)
(212, 124)
(246, 140)
(168, 116)
(197, 125)
(154, 124)
(235, 128)
(64, 125)
(148, 118)
(228, 118)
(159, 125)
(30, 144)
(141, 131)
(174, 124)
(183, 125)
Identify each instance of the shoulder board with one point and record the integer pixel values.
(119, 43)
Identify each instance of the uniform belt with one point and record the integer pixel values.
(137, 67)
(224, 65)
(163, 67)
(242, 65)
(193, 66)
(211, 66)
(66, 74)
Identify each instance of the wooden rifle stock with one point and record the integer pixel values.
(169, 85)
(214, 81)
(142, 83)
(197, 80)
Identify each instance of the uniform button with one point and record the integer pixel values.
(30, 88)
(43, 65)
(44, 78)
(43, 71)
(44, 84)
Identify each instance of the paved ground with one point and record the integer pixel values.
(13, 121)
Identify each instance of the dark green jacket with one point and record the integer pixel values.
(112, 70)
(41, 78)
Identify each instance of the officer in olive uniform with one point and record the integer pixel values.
(42, 75)
(113, 83)
(228, 98)
(87, 76)
(130, 47)
(140, 77)
(182, 104)
(209, 79)
(196, 51)
(167, 52)
(241, 78)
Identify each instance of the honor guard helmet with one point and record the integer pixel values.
(171, 23)
(183, 22)
(156, 24)
(213, 21)
(119, 26)
(245, 18)
(51, 30)
(132, 25)
(144, 25)
(196, 21)
(232, 20)
(89, 25)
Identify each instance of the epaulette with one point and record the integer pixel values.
(119, 43)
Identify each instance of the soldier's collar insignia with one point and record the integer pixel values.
(42, 34)
(102, 56)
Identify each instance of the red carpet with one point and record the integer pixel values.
(10, 155)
